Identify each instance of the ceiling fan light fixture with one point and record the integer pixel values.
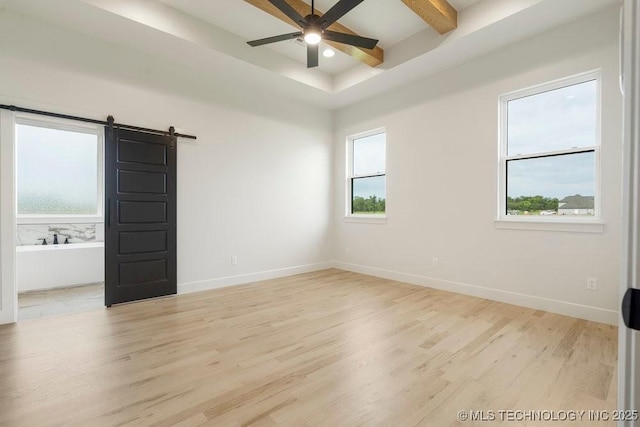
(315, 28)
(312, 36)
(328, 53)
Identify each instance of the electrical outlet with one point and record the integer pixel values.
(592, 283)
(234, 260)
(435, 262)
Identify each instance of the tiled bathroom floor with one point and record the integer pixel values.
(54, 302)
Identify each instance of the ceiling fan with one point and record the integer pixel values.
(314, 28)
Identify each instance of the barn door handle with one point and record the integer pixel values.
(631, 308)
(109, 212)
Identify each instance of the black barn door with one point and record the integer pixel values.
(140, 215)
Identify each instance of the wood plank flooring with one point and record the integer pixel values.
(330, 348)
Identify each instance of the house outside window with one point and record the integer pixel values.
(549, 151)
(366, 174)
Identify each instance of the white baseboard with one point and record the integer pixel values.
(241, 279)
(595, 314)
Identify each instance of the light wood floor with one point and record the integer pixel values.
(330, 348)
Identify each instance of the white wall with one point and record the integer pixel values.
(442, 181)
(255, 184)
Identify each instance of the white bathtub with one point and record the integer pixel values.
(54, 266)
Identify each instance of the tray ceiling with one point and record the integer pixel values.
(212, 35)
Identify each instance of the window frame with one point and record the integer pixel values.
(69, 126)
(349, 215)
(549, 222)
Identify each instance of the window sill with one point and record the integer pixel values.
(366, 219)
(60, 219)
(576, 226)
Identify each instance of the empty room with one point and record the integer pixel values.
(327, 213)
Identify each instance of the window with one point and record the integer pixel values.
(550, 138)
(58, 172)
(366, 186)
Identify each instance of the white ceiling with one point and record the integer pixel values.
(211, 36)
(388, 21)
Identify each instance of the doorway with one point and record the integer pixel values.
(141, 184)
(59, 227)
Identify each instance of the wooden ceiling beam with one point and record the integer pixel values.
(372, 57)
(439, 14)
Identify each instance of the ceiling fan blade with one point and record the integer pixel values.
(337, 11)
(349, 39)
(289, 11)
(275, 39)
(312, 55)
